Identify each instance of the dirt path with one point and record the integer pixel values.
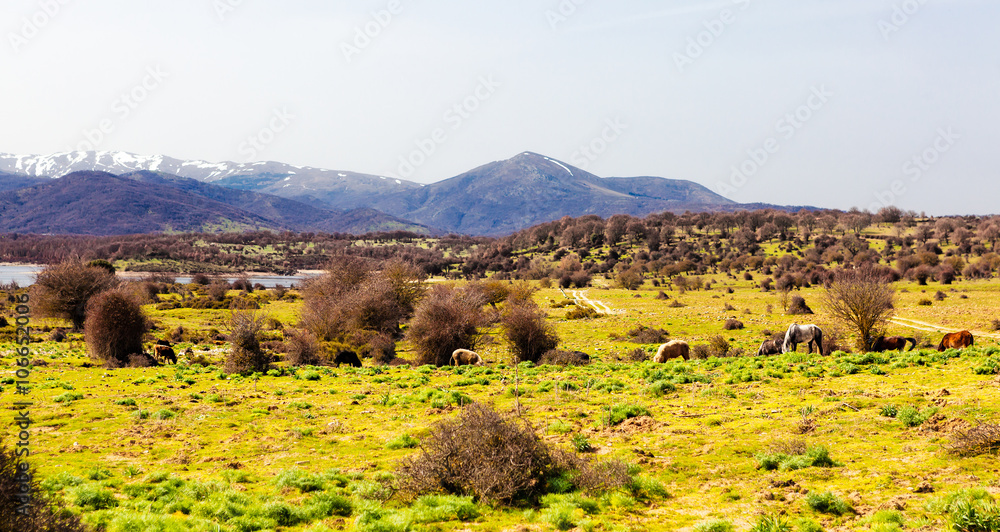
(930, 327)
(580, 297)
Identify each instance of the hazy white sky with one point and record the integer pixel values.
(820, 102)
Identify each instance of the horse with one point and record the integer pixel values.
(797, 334)
(957, 340)
(347, 357)
(464, 357)
(672, 349)
(769, 347)
(892, 343)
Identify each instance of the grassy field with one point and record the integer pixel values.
(844, 442)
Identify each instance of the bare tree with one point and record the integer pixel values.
(115, 326)
(63, 290)
(446, 320)
(863, 299)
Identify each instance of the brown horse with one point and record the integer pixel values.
(892, 343)
(958, 340)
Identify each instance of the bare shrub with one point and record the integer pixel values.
(798, 306)
(383, 349)
(63, 290)
(245, 353)
(559, 357)
(201, 279)
(834, 340)
(454, 459)
(662, 295)
(357, 296)
(497, 460)
(995, 325)
(582, 313)
(446, 320)
(643, 334)
(700, 352)
(979, 439)
(637, 355)
(114, 327)
(302, 348)
(718, 346)
(39, 512)
(732, 324)
(939, 296)
(527, 331)
(863, 299)
(218, 290)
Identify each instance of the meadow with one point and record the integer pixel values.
(849, 441)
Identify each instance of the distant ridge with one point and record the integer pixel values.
(495, 199)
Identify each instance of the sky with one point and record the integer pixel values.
(831, 103)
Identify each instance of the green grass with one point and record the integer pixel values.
(190, 448)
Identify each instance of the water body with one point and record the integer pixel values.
(24, 275)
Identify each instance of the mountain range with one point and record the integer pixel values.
(117, 192)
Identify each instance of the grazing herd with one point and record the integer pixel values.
(796, 334)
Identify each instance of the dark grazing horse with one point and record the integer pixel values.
(957, 340)
(798, 334)
(892, 343)
(769, 347)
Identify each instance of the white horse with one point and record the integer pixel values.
(797, 334)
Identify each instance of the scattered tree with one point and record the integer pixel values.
(115, 327)
(63, 290)
(863, 299)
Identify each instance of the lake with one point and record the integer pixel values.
(24, 275)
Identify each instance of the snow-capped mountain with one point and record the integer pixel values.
(337, 188)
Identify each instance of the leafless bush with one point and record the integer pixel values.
(995, 325)
(648, 335)
(218, 290)
(862, 298)
(446, 320)
(497, 460)
(63, 290)
(834, 340)
(302, 348)
(481, 454)
(57, 335)
(559, 357)
(40, 513)
(245, 354)
(798, 306)
(355, 295)
(114, 328)
(637, 355)
(718, 346)
(383, 349)
(732, 324)
(527, 331)
(582, 313)
(979, 439)
(700, 352)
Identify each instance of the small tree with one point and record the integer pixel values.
(115, 326)
(63, 290)
(446, 320)
(527, 331)
(245, 355)
(863, 299)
